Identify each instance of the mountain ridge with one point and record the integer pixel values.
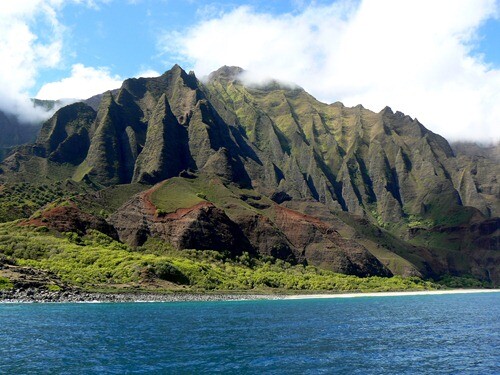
(255, 151)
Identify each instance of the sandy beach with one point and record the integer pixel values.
(392, 294)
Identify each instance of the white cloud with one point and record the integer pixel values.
(83, 83)
(147, 73)
(22, 53)
(415, 56)
(31, 39)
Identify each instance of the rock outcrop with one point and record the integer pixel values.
(69, 218)
(202, 226)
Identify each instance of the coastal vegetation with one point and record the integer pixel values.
(95, 262)
(5, 283)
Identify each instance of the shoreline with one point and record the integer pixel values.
(392, 294)
(75, 296)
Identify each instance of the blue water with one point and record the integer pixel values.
(448, 334)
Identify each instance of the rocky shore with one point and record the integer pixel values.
(30, 285)
(33, 295)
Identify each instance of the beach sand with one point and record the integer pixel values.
(391, 294)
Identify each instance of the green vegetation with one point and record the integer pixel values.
(397, 264)
(395, 183)
(376, 216)
(447, 214)
(96, 261)
(167, 271)
(182, 193)
(469, 281)
(414, 221)
(5, 283)
(174, 194)
(53, 288)
(38, 170)
(378, 240)
(108, 200)
(20, 200)
(435, 240)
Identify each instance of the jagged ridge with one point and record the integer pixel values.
(273, 138)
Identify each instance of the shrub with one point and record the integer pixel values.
(73, 237)
(53, 288)
(167, 271)
(161, 212)
(201, 196)
(466, 281)
(5, 283)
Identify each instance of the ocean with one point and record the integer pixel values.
(425, 334)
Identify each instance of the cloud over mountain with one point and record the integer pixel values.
(23, 53)
(89, 81)
(32, 40)
(416, 56)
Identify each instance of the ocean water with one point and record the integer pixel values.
(436, 334)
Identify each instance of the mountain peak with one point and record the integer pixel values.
(386, 111)
(176, 67)
(175, 70)
(226, 73)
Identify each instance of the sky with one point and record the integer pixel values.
(438, 61)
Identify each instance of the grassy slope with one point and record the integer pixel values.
(108, 200)
(176, 193)
(182, 193)
(39, 170)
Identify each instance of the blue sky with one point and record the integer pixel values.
(124, 35)
(437, 61)
(489, 41)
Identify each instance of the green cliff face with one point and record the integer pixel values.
(385, 164)
(477, 176)
(342, 188)
(65, 137)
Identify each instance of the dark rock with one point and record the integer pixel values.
(69, 218)
(323, 246)
(203, 226)
(280, 197)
